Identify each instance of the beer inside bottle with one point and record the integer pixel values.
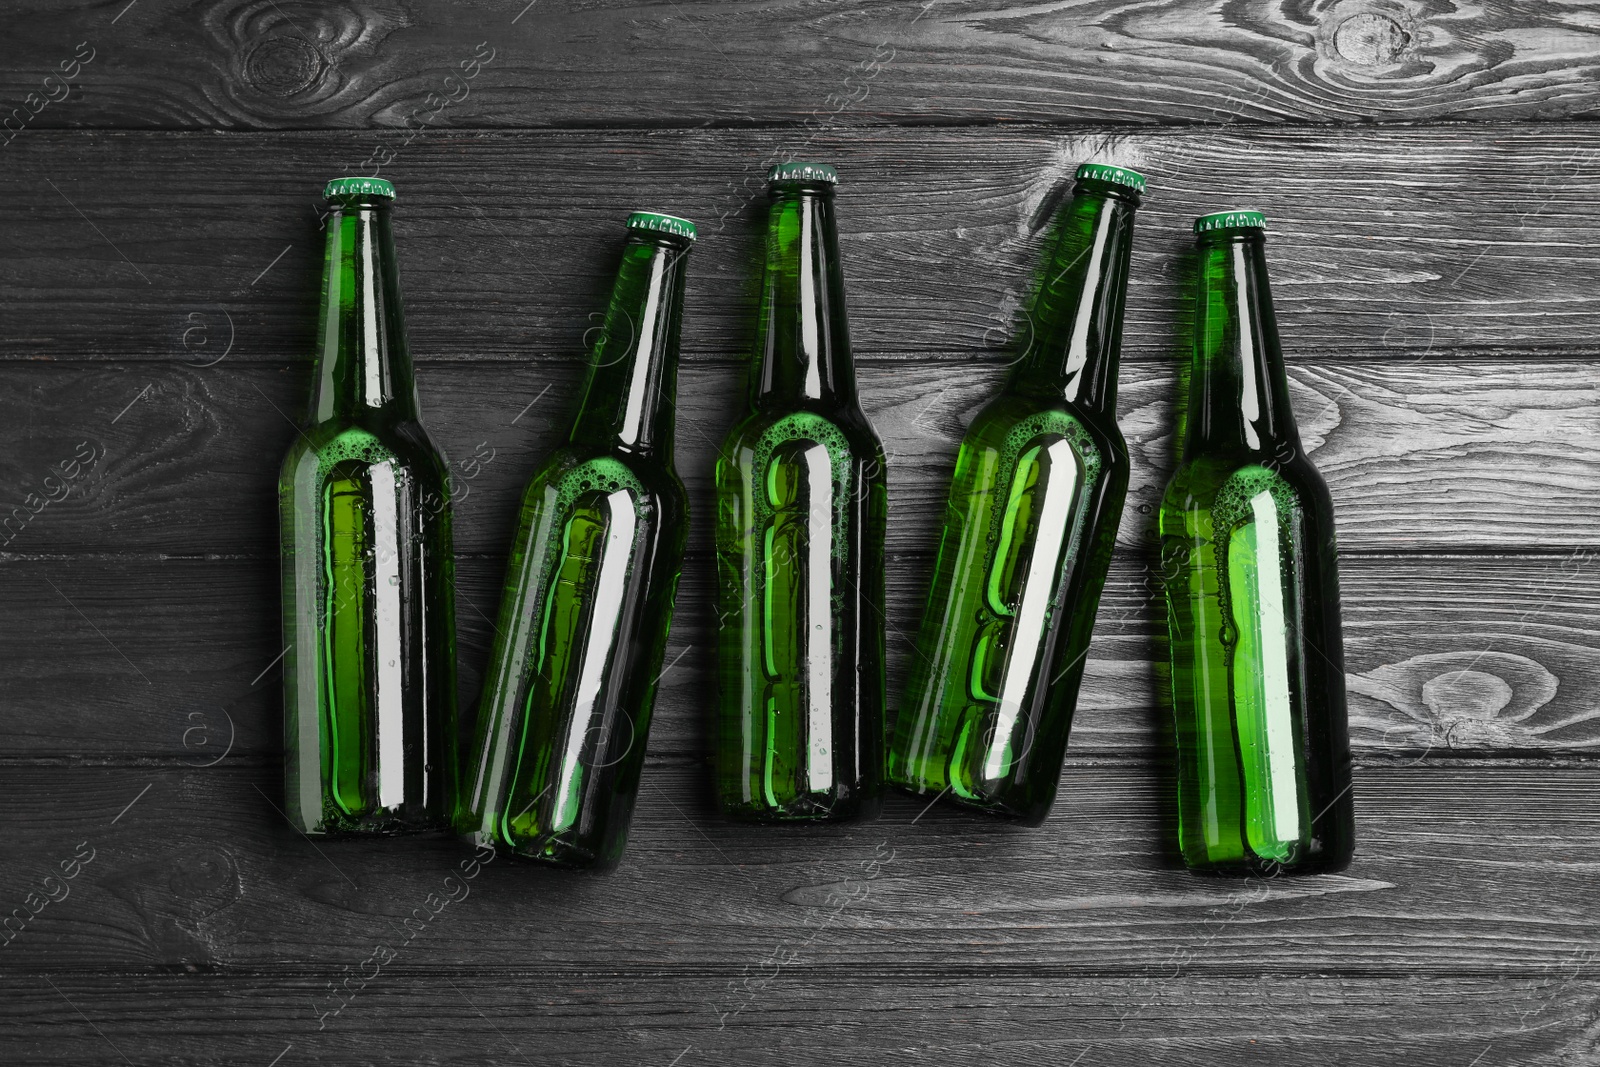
(1031, 520)
(594, 566)
(368, 595)
(801, 499)
(1252, 592)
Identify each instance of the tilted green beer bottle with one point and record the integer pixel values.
(594, 566)
(368, 590)
(1032, 517)
(801, 499)
(1252, 593)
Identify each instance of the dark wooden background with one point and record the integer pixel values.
(1434, 192)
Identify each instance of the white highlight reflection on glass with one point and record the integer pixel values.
(810, 341)
(1275, 669)
(609, 592)
(387, 670)
(818, 619)
(371, 361)
(1055, 495)
(1249, 390)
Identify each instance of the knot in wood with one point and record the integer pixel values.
(284, 66)
(1466, 694)
(1371, 40)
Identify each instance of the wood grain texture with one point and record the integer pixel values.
(802, 1014)
(159, 260)
(1419, 457)
(258, 64)
(124, 659)
(1413, 244)
(1459, 870)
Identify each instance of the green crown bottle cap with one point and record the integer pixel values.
(342, 188)
(1238, 219)
(1103, 172)
(803, 172)
(651, 220)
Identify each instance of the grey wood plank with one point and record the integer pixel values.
(253, 64)
(794, 1013)
(1405, 244)
(1470, 869)
(1419, 457)
(123, 659)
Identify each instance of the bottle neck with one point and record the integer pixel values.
(364, 365)
(804, 352)
(1239, 393)
(1071, 337)
(632, 385)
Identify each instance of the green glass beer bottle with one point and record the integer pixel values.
(1032, 517)
(594, 566)
(368, 590)
(801, 502)
(1252, 590)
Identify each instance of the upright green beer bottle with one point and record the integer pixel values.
(1252, 593)
(594, 566)
(368, 595)
(1031, 520)
(801, 501)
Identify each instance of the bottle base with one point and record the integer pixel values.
(563, 855)
(808, 811)
(1034, 815)
(377, 826)
(565, 860)
(1255, 867)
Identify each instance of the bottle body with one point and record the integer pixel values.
(367, 566)
(1252, 589)
(579, 646)
(564, 719)
(1029, 528)
(1249, 568)
(801, 510)
(802, 501)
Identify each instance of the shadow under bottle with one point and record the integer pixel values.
(1250, 574)
(368, 592)
(1033, 512)
(583, 622)
(801, 502)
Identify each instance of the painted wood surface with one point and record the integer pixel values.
(1457, 873)
(1398, 245)
(1432, 186)
(263, 64)
(182, 460)
(1447, 656)
(799, 1014)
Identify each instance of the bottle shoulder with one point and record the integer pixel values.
(397, 435)
(1200, 480)
(327, 446)
(1010, 420)
(844, 433)
(573, 471)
